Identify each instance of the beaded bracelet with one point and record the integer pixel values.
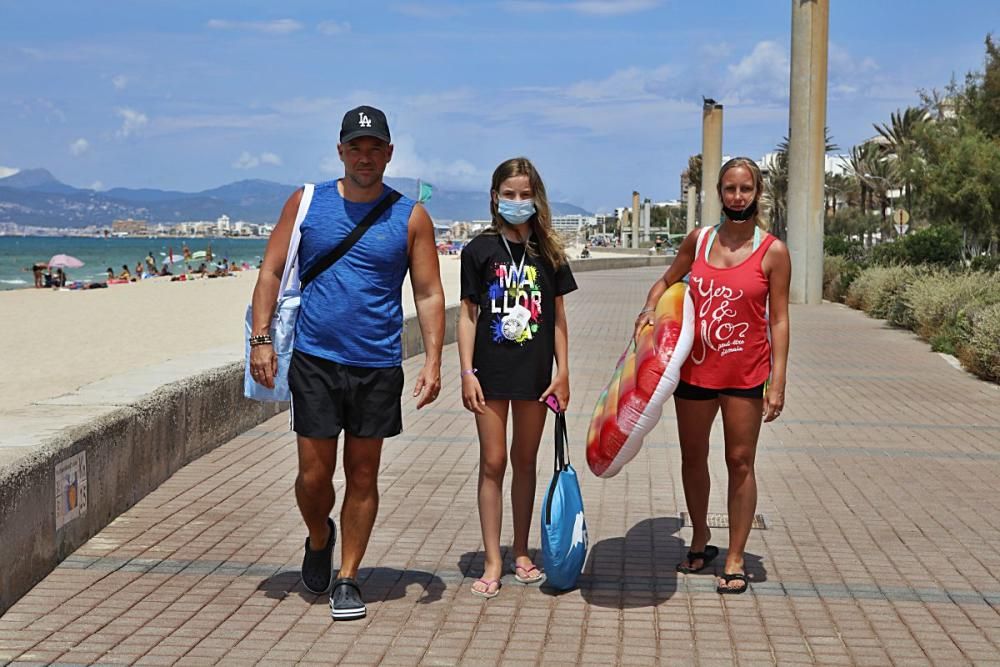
(263, 339)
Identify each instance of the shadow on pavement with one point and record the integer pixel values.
(378, 584)
(638, 570)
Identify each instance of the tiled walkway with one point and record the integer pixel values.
(878, 485)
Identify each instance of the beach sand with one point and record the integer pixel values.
(58, 341)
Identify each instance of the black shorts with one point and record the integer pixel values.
(690, 392)
(328, 397)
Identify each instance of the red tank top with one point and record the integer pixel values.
(732, 348)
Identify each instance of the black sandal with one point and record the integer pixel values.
(729, 578)
(706, 557)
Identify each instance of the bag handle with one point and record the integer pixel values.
(561, 459)
(290, 274)
(326, 262)
(561, 462)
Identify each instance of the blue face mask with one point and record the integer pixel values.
(516, 212)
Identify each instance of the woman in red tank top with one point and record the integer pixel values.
(739, 280)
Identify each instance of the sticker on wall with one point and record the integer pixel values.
(71, 489)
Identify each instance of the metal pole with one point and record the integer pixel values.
(635, 219)
(807, 148)
(692, 207)
(711, 161)
(647, 213)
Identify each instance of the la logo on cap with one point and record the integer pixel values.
(363, 120)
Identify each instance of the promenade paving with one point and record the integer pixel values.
(878, 486)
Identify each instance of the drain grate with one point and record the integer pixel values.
(721, 520)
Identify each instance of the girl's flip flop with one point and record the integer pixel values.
(486, 593)
(527, 577)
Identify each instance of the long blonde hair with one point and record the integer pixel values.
(549, 245)
(758, 185)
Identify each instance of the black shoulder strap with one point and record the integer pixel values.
(327, 261)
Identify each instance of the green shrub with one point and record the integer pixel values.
(937, 299)
(838, 274)
(940, 244)
(879, 290)
(841, 246)
(982, 352)
(986, 263)
(890, 253)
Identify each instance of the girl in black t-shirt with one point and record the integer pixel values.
(512, 326)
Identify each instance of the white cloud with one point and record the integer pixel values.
(8, 171)
(276, 27)
(271, 159)
(79, 147)
(132, 121)
(592, 7)
(407, 162)
(96, 185)
(119, 81)
(334, 28)
(760, 77)
(629, 83)
(246, 160)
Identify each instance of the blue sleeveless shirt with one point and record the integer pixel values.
(352, 313)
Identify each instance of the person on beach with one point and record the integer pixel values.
(345, 373)
(739, 281)
(125, 274)
(38, 272)
(511, 326)
(111, 273)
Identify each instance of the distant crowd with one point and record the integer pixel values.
(55, 277)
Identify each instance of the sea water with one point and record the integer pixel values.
(18, 253)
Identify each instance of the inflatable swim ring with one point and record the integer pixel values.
(644, 378)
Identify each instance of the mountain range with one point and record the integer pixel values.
(34, 197)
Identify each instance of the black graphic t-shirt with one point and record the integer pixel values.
(519, 369)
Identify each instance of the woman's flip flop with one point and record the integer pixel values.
(706, 557)
(729, 590)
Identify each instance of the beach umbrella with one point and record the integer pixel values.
(65, 261)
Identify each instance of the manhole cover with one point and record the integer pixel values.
(719, 520)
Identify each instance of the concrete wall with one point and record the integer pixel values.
(131, 450)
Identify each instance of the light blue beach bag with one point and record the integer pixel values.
(564, 528)
(283, 323)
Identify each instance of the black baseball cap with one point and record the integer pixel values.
(364, 121)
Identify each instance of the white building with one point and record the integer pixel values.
(572, 223)
(222, 225)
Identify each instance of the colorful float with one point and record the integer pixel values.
(644, 378)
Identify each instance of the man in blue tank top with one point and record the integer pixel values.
(346, 373)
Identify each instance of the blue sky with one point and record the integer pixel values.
(604, 95)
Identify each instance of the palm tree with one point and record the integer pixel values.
(900, 135)
(776, 189)
(836, 184)
(694, 171)
(694, 178)
(776, 184)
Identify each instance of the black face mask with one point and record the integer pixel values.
(742, 214)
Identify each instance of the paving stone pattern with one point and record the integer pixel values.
(878, 484)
